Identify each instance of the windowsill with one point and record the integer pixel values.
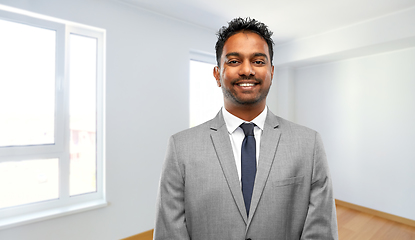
(51, 213)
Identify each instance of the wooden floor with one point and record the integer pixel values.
(355, 225)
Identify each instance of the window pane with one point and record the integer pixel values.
(205, 96)
(29, 181)
(27, 84)
(83, 61)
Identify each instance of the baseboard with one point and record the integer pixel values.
(377, 213)
(142, 236)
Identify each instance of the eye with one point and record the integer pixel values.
(232, 62)
(259, 62)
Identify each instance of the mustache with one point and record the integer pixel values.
(246, 78)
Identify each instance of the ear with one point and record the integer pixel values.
(272, 73)
(216, 74)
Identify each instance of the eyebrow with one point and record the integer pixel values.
(261, 55)
(236, 54)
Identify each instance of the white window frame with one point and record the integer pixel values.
(204, 57)
(65, 204)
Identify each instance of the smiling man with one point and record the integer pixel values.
(246, 174)
(245, 74)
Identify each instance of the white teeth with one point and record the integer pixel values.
(246, 84)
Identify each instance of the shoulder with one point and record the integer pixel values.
(193, 133)
(299, 137)
(287, 127)
(201, 131)
(292, 133)
(190, 143)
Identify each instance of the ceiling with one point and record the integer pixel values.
(288, 19)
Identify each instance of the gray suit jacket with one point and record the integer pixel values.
(200, 194)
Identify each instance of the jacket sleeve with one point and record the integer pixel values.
(170, 212)
(321, 221)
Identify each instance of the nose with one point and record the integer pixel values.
(246, 69)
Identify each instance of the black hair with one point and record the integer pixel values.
(239, 25)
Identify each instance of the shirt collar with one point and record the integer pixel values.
(233, 122)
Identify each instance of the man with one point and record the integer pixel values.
(246, 174)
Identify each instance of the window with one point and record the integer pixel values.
(205, 96)
(51, 117)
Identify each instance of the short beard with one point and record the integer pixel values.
(229, 95)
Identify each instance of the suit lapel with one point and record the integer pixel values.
(269, 142)
(222, 145)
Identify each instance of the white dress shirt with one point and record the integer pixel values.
(237, 135)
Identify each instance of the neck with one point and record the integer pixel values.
(245, 112)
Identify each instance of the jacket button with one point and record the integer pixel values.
(248, 239)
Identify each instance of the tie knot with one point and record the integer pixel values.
(248, 128)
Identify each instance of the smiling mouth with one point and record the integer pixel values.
(246, 84)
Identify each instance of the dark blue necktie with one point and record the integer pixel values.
(248, 163)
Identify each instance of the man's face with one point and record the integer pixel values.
(245, 71)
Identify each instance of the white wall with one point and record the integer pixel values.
(364, 109)
(355, 85)
(147, 101)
